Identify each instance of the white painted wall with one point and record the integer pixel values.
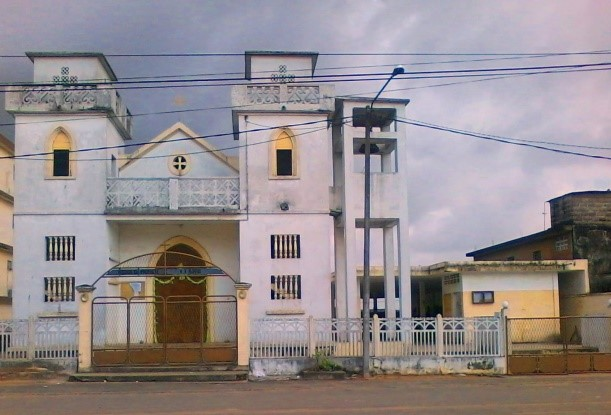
(86, 192)
(30, 265)
(87, 69)
(220, 239)
(313, 266)
(265, 66)
(155, 163)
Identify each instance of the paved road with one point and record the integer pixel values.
(558, 395)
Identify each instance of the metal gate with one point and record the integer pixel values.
(178, 330)
(558, 345)
(164, 308)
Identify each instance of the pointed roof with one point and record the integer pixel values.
(166, 134)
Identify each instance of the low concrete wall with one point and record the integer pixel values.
(412, 365)
(586, 305)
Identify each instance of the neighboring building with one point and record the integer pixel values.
(282, 215)
(482, 288)
(580, 229)
(7, 150)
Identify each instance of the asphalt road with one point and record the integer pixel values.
(456, 395)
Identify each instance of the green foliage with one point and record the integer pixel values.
(324, 363)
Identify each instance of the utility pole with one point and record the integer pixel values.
(366, 282)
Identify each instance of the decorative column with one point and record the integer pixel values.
(243, 323)
(85, 321)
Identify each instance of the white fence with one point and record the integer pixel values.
(50, 339)
(443, 337)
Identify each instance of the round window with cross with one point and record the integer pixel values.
(179, 164)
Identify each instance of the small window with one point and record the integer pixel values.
(9, 265)
(285, 287)
(283, 158)
(511, 258)
(61, 163)
(482, 297)
(59, 289)
(285, 246)
(562, 244)
(61, 159)
(61, 248)
(179, 164)
(537, 256)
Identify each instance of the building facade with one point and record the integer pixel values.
(283, 214)
(580, 229)
(6, 227)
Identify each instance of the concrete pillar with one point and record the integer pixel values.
(405, 289)
(243, 323)
(389, 271)
(85, 323)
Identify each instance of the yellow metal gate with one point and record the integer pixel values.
(558, 345)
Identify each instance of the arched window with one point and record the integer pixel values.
(284, 157)
(61, 159)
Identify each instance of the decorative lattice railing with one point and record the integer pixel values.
(145, 195)
(52, 339)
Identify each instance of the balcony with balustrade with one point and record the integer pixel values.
(206, 196)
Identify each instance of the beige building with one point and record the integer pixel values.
(481, 288)
(7, 149)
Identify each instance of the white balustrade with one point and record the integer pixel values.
(124, 194)
(301, 337)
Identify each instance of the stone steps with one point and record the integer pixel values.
(217, 373)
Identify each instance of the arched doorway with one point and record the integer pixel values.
(182, 312)
(186, 315)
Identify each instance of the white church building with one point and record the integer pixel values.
(284, 213)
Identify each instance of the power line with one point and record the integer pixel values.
(231, 81)
(101, 148)
(501, 140)
(241, 54)
(231, 107)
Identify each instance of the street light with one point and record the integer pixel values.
(365, 286)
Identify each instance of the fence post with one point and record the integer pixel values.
(85, 326)
(439, 335)
(311, 337)
(31, 351)
(243, 323)
(376, 335)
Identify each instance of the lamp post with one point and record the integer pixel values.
(365, 286)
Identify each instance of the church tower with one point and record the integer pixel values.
(61, 235)
(281, 123)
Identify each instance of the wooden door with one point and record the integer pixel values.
(182, 318)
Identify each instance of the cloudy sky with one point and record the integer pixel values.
(465, 192)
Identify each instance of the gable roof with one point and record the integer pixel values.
(164, 135)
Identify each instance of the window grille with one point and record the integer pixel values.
(285, 287)
(285, 246)
(451, 279)
(60, 248)
(59, 289)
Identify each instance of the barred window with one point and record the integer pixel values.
(451, 279)
(59, 289)
(562, 244)
(285, 287)
(285, 246)
(60, 248)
